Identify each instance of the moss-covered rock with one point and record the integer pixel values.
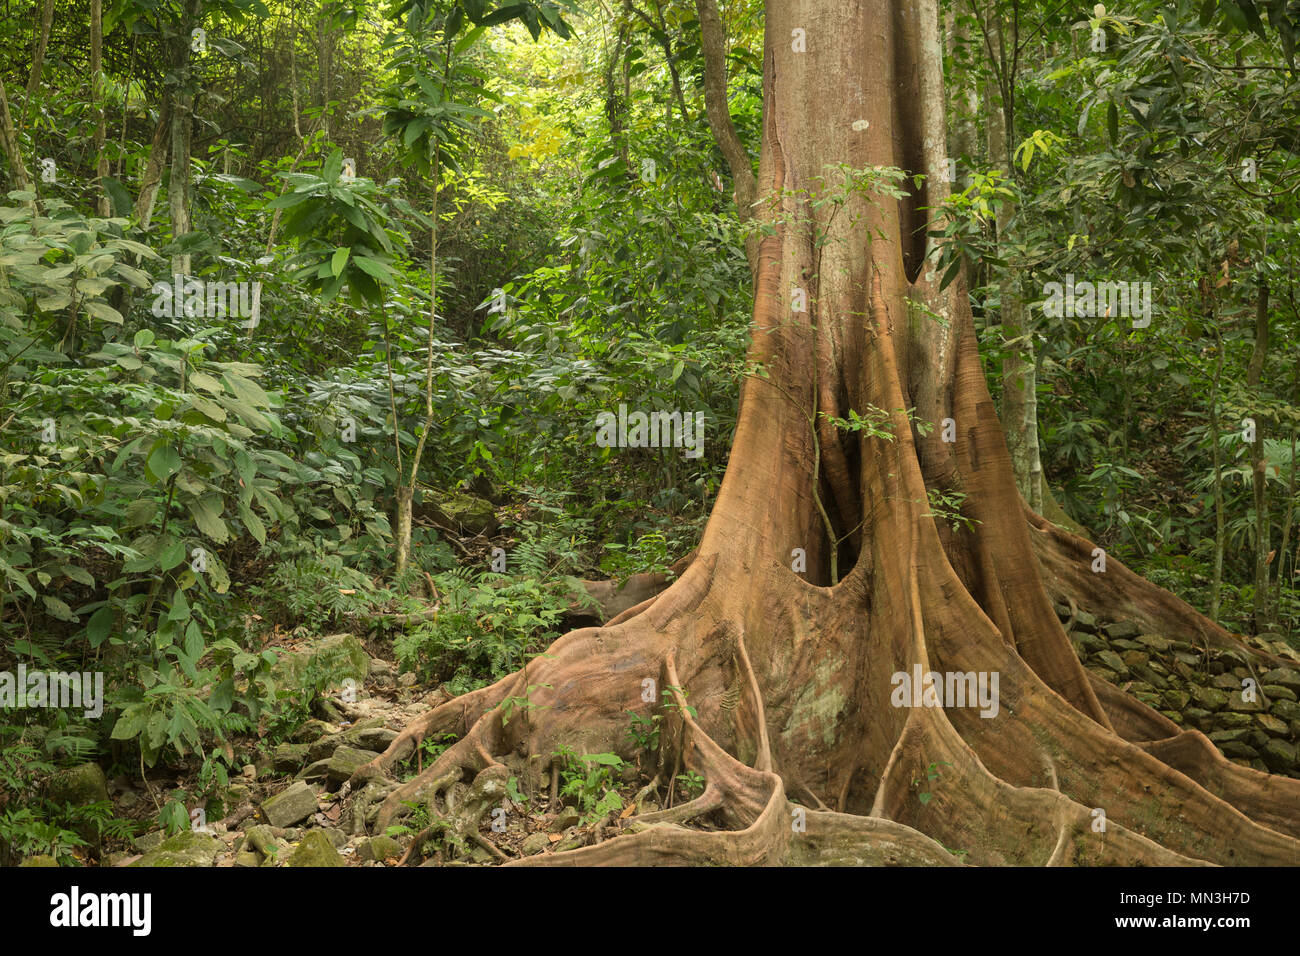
(379, 848)
(1209, 698)
(187, 848)
(316, 849)
(79, 785)
(39, 860)
(461, 510)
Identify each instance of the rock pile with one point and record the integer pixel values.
(1205, 688)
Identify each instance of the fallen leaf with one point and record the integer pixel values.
(627, 811)
(555, 837)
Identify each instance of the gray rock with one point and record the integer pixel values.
(380, 848)
(1122, 630)
(537, 842)
(1286, 676)
(79, 785)
(289, 758)
(346, 761)
(290, 806)
(1114, 662)
(1273, 726)
(1276, 692)
(1154, 641)
(1238, 704)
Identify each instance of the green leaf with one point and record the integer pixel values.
(163, 462)
(206, 512)
(340, 260)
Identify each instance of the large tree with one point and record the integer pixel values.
(919, 553)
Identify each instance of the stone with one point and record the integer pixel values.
(1286, 676)
(1123, 644)
(1208, 697)
(1235, 748)
(1135, 658)
(1271, 725)
(1176, 699)
(1278, 754)
(1229, 720)
(289, 758)
(313, 730)
(1223, 736)
(1198, 717)
(1188, 658)
(1083, 621)
(249, 771)
(336, 836)
(535, 843)
(380, 848)
(41, 859)
(1287, 710)
(1173, 715)
(265, 842)
(1244, 706)
(247, 858)
(79, 785)
(466, 512)
(1147, 697)
(1091, 643)
(1154, 641)
(290, 806)
(315, 850)
(187, 848)
(568, 817)
(346, 761)
(1121, 630)
(1151, 677)
(1113, 662)
(148, 841)
(315, 771)
(1276, 692)
(1226, 682)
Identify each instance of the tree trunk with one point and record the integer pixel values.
(12, 148)
(713, 45)
(151, 178)
(38, 58)
(182, 129)
(97, 100)
(1259, 465)
(795, 729)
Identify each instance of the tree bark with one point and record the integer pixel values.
(97, 99)
(38, 58)
(13, 149)
(713, 45)
(795, 726)
(151, 178)
(1259, 464)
